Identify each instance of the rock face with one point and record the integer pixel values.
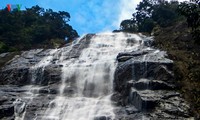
(33, 76)
(41, 63)
(143, 83)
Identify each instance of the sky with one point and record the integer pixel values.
(87, 16)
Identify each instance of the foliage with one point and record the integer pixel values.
(128, 26)
(2, 47)
(177, 41)
(191, 10)
(151, 13)
(165, 14)
(33, 27)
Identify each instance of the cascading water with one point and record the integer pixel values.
(38, 69)
(77, 82)
(36, 76)
(87, 81)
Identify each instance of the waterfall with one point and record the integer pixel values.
(107, 76)
(87, 81)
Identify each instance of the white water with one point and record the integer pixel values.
(87, 81)
(42, 64)
(32, 90)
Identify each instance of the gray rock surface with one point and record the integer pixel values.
(143, 84)
(28, 82)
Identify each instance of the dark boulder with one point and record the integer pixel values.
(144, 100)
(6, 111)
(145, 84)
(15, 76)
(102, 118)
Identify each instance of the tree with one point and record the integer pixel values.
(150, 13)
(128, 26)
(165, 14)
(191, 10)
(147, 25)
(33, 27)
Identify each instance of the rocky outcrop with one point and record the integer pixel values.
(144, 87)
(39, 63)
(143, 83)
(30, 80)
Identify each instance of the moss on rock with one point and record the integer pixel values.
(178, 42)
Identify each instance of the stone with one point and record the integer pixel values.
(6, 111)
(131, 110)
(2, 55)
(14, 76)
(123, 58)
(52, 74)
(102, 118)
(19, 107)
(134, 70)
(144, 100)
(145, 84)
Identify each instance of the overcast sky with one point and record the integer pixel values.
(87, 16)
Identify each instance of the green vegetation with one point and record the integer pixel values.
(177, 40)
(151, 13)
(192, 12)
(34, 28)
(176, 27)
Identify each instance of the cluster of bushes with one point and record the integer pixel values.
(152, 13)
(191, 10)
(33, 28)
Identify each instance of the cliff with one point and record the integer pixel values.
(97, 77)
(185, 52)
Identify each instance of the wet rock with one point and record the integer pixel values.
(44, 91)
(50, 90)
(19, 107)
(23, 60)
(6, 111)
(15, 76)
(53, 91)
(131, 110)
(3, 99)
(175, 106)
(16, 71)
(52, 74)
(144, 100)
(145, 84)
(38, 105)
(22, 68)
(143, 64)
(123, 58)
(171, 94)
(164, 73)
(129, 113)
(134, 53)
(2, 55)
(77, 48)
(69, 91)
(134, 70)
(102, 118)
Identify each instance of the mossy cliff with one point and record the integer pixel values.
(182, 49)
